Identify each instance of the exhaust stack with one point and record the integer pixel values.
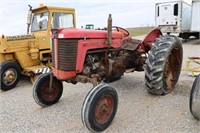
(109, 30)
(29, 18)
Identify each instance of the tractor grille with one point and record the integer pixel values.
(67, 54)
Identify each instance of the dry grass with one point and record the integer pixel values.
(137, 31)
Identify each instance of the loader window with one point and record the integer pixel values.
(175, 9)
(40, 21)
(62, 20)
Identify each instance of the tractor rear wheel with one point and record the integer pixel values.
(10, 74)
(163, 65)
(99, 108)
(195, 98)
(43, 94)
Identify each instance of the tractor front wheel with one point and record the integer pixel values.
(99, 108)
(43, 94)
(10, 74)
(163, 65)
(195, 98)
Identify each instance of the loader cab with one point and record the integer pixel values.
(45, 18)
(40, 22)
(62, 20)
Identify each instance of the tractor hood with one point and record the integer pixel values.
(87, 34)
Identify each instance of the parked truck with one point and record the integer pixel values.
(89, 26)
(175, 17)
(30, 54)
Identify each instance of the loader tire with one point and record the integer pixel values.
(10, 74)
(194, 103)
(163, 65)
(42, 94)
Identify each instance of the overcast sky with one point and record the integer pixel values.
(125, 13)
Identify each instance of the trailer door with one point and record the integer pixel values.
(168, 14)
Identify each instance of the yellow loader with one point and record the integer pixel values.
(30, 54)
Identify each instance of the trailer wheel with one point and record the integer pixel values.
(163, 65)
(195, 98)
(99, 108)
(10, 75)
(42, 94)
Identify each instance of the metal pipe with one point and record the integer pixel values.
(29, 18)
(109, 30)
(50, 82)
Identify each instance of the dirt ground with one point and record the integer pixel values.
(138, 111)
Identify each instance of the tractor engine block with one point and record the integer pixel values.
(115, 62)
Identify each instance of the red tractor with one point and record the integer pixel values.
(100, 56)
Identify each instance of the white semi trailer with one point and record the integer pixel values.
(175, 17)
(195, 18)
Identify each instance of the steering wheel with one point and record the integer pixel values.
(122, 30)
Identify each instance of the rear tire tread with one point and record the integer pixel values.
(156, 61)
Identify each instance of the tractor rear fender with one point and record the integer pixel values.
(150, 38)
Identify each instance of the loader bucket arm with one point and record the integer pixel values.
(150, 38)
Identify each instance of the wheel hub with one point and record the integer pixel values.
(48, 93)
(9, 76)
(104, 109)
(169, 73)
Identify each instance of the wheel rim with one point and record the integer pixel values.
(172, 69)
(47, 93)
(169, 79)
(9, 76)
(104, 109)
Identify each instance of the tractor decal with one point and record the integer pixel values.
(20, 37)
